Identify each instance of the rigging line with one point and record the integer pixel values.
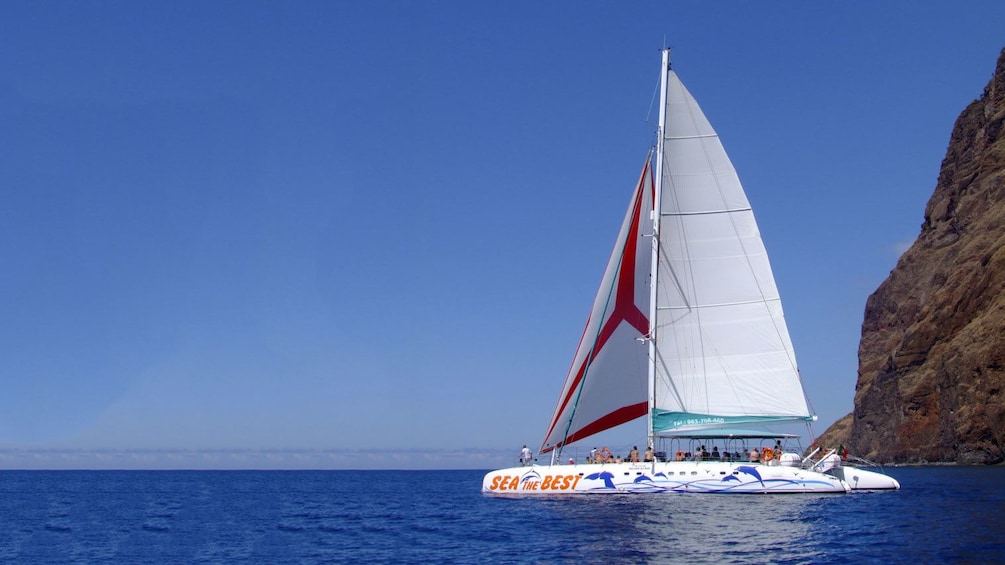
(746, 254)
(693, 109)
(665, 378)
(732, 219)
(678, 285)
(682, 343)
(776, 296)
(694, 113)
(659, 186)
(720, 305)
(655, 196)
(706, 212)
(686, 257)
(652, 101)
(696, 136)
(809, 404)
(606, 325)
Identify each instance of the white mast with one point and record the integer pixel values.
(654, 270)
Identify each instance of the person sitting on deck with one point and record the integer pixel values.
(715, 453)
(649, 454)
(633, 455)
(755, 455)
(604, 456)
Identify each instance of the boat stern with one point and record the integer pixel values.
(861, 479)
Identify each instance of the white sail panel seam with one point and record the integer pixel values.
(703, 213)
(720, 305)
(701, 136)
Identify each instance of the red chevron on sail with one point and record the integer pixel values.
(624, 309)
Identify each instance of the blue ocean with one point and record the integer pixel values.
(942, 514)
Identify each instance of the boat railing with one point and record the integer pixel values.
(809, 457)
(819, 464)
(861, 462)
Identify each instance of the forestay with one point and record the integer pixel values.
(607, 383)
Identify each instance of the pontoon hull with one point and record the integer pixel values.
(663, 477)
(861, 479)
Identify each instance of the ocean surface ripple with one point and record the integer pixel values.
(942, 514)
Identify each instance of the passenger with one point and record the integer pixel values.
(593, 454)
(715, 453)
(754, 455)
(679, 456)
(633, 455)
(618, 459)
(649, 456)
(526, 457)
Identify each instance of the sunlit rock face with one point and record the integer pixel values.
(932, 355)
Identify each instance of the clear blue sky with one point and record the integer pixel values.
(367, 234)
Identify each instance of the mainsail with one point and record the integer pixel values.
(723, 355)
(718, 353)
(607, 383)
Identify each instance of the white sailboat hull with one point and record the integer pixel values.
(862, 479)
(686, 330)
(707, 477)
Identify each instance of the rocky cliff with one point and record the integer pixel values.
(932, 355)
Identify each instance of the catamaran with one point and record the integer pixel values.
(686, 331)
